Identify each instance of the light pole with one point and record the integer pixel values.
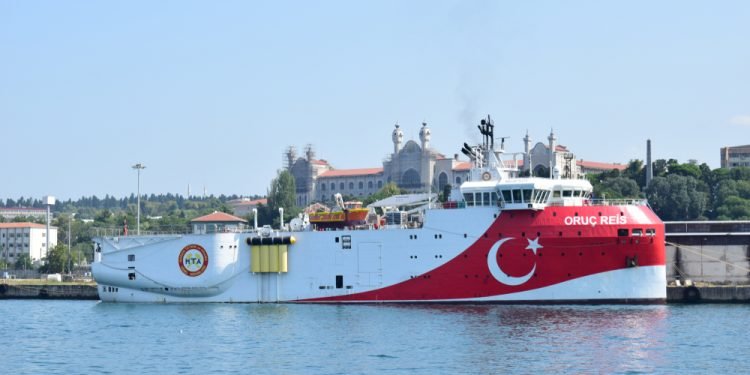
(49, 201)
(138, 167)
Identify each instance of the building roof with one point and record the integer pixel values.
(23, 209)
(23, 225)
(253, 202)
(319, 162)
(601, 166)
(351, 172)
(218, 217)
(462, 166)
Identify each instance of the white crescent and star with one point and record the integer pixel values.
(498, 273)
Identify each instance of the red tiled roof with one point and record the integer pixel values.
(23, 225)
(351, 172)
(320, 162)
(218, 217)
(462, 166)
(559, 148)
(601, 166)
(252, 202)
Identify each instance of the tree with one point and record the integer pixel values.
(56, 261)
(386, 191)
(281, 194)
(23, 262)
(677, 197)
(617, 188)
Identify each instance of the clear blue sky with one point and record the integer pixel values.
(211, 93)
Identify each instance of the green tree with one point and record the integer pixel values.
(56, 261)
(281, 194)
(617, 188)
(677, 197)
(386, 191)
(23, 262)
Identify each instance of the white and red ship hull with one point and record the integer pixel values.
(581, 254)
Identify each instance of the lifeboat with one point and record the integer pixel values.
(346, 215)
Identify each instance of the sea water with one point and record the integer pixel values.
(83, 337)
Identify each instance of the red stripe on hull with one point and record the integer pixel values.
(565, 252)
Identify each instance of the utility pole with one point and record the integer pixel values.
(139, 167)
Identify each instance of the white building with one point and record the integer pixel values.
(25, 238)
(13, 212)
(245, 206)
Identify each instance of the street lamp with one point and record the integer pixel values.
(138, 167)
(49, 201)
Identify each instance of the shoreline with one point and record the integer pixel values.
(36, 289)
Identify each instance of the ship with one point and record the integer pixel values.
(500, 238)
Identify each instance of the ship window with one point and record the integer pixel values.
(494, 198)
(469, 198)
(131, 276)
(622, 232)
(516, 196)
(485, 198)
(346, 242)
(637, 232)
(567, 193)
(507, 197)
(556, 194)
(339, 281)
(651, 232)
(527, 195)
(131, 257)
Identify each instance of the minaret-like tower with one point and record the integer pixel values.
(527, 152)
(397, 137)
(424, 136)
(552, 151)
(649, 163)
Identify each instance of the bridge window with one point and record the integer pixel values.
(556, 194)
(506, 196)
(651, 232)
(567, 193)
(637, 232)
(517, 196)
(527, 195)
(469, 198)
(622, 232)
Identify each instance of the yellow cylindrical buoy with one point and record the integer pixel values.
(264, 261)
(255, 258)
(273, 258)
(283, 253)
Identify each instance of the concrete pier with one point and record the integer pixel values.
(709, 294)
(49, 291)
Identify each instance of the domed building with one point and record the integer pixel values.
(416, 167)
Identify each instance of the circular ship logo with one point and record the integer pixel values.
(193, 260)
(499, 274)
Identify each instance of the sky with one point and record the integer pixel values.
(210, 93)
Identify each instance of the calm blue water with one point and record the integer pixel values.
(72, 337)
